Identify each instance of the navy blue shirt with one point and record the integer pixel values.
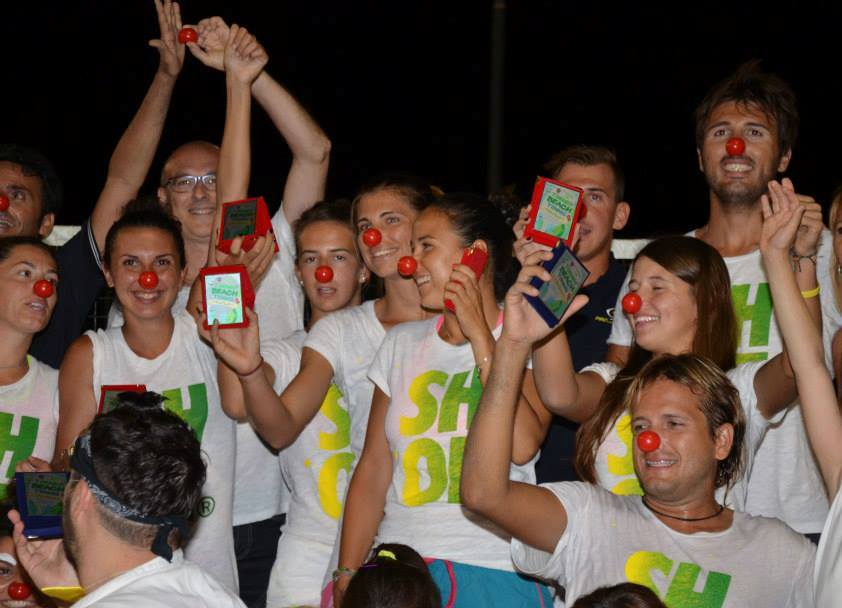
(587, 333)
(80, 280)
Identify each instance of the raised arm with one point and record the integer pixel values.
(278, 419)
(77, 402)
(774, 383)
(819, 407)
(529, 513)
(366, 497)
(135, 151)
(563, 391)
(310, 147)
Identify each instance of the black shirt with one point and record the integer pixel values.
(587, 333)
(80, 281)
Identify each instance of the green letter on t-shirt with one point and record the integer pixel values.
(197, 414)
(759, 315)
(21, 445)
(456, 395)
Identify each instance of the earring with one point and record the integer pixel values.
(839, 269)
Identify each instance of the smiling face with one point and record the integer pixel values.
(21, 309)
(667, 319)
(739, 181)
(685, 463)
(141, 249)
(330, 244)
(24, 217)
(436, 247)
(195, 207)
(389, 212)
(604, 213)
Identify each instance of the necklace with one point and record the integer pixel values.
(662, 514)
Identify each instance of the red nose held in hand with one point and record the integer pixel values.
(4, 202)
(648, 441)
(18, 590)
(324, 274)
(188, 34)
(407, 266)
(148, 280)
(372, 237)
(43, 288)
(632, 302)
(735, 146)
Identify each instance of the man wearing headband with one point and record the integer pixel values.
(135, 485)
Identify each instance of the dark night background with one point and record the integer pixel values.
(404, 85)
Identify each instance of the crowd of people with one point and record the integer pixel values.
(437, 444)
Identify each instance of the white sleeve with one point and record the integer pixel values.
(742, 377)
(831, 315)
(284, 357)
(577, 499)
(621, 331)
(283, 233)
(606, 370)
(378, 371)
(325, 337)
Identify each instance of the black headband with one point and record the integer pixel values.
(83, 463)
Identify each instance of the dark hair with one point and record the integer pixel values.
(34, 164)
(10, 243)
(588, 156)
(145, 212)
(699, 265)
(476, 218)
(395, 577)
(414, 190)
(148, 458)
(751, 86)
(624, 595)
(509, 204)
(337, 211)
(719, 401)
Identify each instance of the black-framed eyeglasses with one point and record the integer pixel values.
(186, 183)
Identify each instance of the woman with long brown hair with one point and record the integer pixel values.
(685, 307)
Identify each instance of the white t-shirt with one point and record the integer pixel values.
(279, 302)
(615, 464)
(785, 481)
(185, 373)
(28, 419)
(316, 469)
(614, 539)
(828, 576)
(348, 339)
(434, 389)
(161, 584)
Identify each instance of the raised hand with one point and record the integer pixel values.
(210, 49)
(44, 560)
(257, 260)
(170, 50)
(810, 230)
(238, 347)
(524, 247)
(520, 322)
(782, 217)
(463, 290)
(244, 56)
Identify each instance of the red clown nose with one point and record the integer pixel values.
(632, 303)
(324, 274)
(372, 237)
(407, 266)
(4, 202)
(735, 146)
(18, 590)
(43, 288)
(188, 34)
(648, 441)
(148, 280)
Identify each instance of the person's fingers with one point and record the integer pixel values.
(576, 305)
(765, 206)
(787, 184)
(177, 16)
(535, 259)
(526, 288)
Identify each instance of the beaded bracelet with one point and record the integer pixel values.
(340, 572)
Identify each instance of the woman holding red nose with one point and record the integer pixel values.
(679, 302)
(28, 388)
(159, 348)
